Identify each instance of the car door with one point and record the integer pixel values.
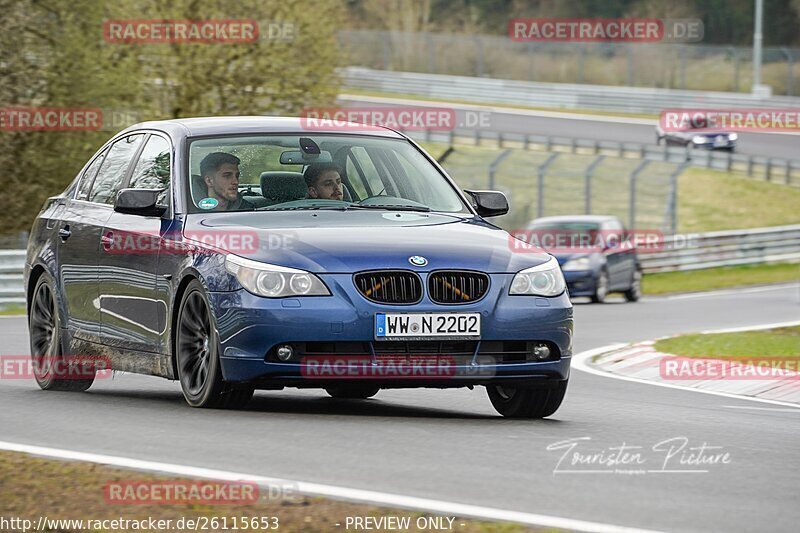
(620, 258)
(132, 316)
(79, 228)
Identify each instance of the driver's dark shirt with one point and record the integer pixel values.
(240, 205)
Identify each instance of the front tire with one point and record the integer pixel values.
(352, 392)
(515, 402)
(635, 292)
(600, 288)
(44, 325)
(197, 356)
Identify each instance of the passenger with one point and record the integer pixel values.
(220, 173)
(324, 181)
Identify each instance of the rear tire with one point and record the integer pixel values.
(352, 392)
(44, 326)
(197, 356)
(515, 402)
(635, 292)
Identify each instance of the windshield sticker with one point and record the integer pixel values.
(208, 203)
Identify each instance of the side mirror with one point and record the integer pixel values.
(142, 202)
(489, 203)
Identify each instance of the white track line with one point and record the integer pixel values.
(341, 493)
(724, 292)
(777, 409)
(581, 362)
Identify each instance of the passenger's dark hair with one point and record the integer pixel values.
(214, 160)
(314, 171)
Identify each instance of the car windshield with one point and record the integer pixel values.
(273, 173)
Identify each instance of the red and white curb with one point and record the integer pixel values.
(641, 362)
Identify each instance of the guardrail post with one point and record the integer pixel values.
(629, 49)
(540, 183)
(788, 176)
(587, 185)
(387, 53)
(479, 56)
(573, 145)
(596, 147)
(526, 143)
(581, 60)
(768, 170)
(632, 194)
(789, 69)
(477, 137)
(500, 140)
(493, 166)
(729, 163)
(682, 54)
(431, 54)
(672, 205)
(750, 165)
(548, 143)
(531, 50)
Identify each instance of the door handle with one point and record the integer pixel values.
(64, 233)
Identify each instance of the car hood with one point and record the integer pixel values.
(345, 242)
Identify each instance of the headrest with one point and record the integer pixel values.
(279, 187)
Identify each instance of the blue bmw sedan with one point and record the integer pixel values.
(236, 254)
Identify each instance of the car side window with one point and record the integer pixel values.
(88, 177)
(371, 175)
(152, 170)
(112, 172)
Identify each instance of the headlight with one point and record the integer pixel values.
(733, 136)
(543, 280)
(274, 281)
(699, 139)
(580, 263)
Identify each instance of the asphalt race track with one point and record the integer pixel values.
(452, 446)
(600, 129)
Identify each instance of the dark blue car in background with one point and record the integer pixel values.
(244, 253)
(603, 262)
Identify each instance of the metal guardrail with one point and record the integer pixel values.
(774, 169)
(12, 263)
(679, 65)
(724, 248)
(555, 95)
(679, 252)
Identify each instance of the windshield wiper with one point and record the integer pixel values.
(393, 207)
(308, 208)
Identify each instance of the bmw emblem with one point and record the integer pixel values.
(418, 260)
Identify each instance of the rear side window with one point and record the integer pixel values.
(88, 177)
(113, 170)
(152, 170)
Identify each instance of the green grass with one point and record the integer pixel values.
(719, 278)
(779, 342)
(710, 200)
(12, 310)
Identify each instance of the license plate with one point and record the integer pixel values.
(394, 326)
(720, 141)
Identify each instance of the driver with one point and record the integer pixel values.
(324, 181)
(220, 173)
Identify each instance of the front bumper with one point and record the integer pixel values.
(250, 327)
(581, 282)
